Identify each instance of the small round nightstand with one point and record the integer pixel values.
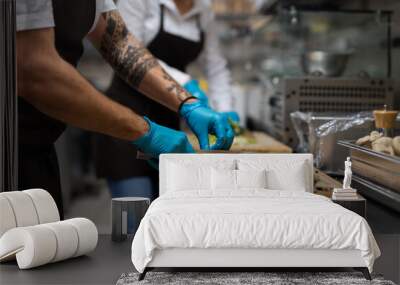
(127, 212)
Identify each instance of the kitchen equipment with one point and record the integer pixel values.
(319, 135)
(385, 119)
(323, 96)
(377, 172)
(127, 212)
(323, 63)
(376, 166)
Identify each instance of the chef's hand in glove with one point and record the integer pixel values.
(160, 140)
(202, 121)
(233, 116)
(194, 89)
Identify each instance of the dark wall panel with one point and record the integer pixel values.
(8, 99)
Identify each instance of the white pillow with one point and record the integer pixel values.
(186, 175)
(226, 179)
(223, 179)
(251, 178)
(288, 175)
(296, 180)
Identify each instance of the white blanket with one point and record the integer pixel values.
(250, 219)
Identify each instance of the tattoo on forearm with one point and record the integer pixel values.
(130, 59)
(174, 87)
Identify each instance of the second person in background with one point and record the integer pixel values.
(177, 33)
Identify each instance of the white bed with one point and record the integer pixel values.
(201, 220)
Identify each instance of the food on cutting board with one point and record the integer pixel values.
(240, 140)
(378, 142)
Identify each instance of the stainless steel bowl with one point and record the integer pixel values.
(322, 63)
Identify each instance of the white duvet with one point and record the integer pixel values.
(250, 219)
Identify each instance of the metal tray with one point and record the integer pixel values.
(374, 189)
(377, 192)
(366, 150)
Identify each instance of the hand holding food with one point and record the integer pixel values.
(204, 121)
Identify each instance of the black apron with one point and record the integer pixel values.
(37, 162)
(116, 159)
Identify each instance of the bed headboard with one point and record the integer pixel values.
(210, 158)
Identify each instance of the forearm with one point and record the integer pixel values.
(179, 76)
(134, 63)
(55, 88)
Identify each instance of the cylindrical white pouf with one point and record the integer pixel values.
(67, 239)
(45, 205)
(7, 218)
(23, 208)
(34, 246)
(87, 235)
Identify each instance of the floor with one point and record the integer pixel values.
(102, 266)
(385, 225)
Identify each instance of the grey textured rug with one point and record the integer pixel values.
(243, 278)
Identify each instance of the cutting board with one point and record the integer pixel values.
(260, 143)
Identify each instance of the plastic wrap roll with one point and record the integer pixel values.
(7, 218)
(67, 240)
(23, 207)
(33, 246)
(87, 234)
(45, 205)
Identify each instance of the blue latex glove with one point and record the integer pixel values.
(160, 140)
(194, 89)
(202, 121)
(233, 116)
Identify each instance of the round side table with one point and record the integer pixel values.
(127, 212)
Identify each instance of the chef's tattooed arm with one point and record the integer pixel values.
(128, 56)
(133, 62)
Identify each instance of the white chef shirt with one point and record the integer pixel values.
(38, 14)
(142, 18)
